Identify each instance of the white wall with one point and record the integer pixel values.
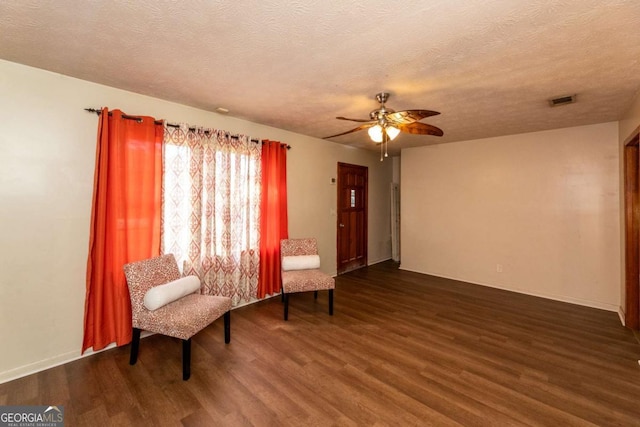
(47, 153)
(544, 205)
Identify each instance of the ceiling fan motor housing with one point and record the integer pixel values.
(380, 115)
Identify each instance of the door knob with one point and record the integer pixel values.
(341, 225)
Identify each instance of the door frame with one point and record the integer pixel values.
(632, 230)
(365, 236)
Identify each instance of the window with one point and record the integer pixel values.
(211, 209)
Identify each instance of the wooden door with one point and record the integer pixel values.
(352, 217)
(632, 231)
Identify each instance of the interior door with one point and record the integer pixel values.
(352, 217)
(632, 231)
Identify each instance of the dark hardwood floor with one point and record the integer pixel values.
(402, 349)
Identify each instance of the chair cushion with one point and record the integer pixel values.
(143, 275)
(162, 295)
(294, 247)
(300, 262)
(185, 317)
(306, 280)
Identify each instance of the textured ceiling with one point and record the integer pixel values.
(488, 66)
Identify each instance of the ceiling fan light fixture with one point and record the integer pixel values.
(375, 133)
(392, 132)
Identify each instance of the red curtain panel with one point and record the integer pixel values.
(273, 219)
(125, 221)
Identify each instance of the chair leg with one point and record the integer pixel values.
(135, 345)
(186, 359)
(315, 294)
(331, 302)
(227, 327)
(286, 306)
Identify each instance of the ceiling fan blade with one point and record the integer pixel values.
(354, 120)
(410, 116)
(420, 129)
(361, 127)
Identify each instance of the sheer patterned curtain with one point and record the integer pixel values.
(211, 208)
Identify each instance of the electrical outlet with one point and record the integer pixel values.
(499, 268)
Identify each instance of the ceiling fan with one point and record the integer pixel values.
(385, 124)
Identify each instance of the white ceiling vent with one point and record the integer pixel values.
(562, 100)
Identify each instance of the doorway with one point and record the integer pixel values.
(632, 231)
(395, 222)
(352, 217)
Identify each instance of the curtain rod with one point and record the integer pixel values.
(159, 122)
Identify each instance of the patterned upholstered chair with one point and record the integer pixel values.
(300, 269)
(155, 283)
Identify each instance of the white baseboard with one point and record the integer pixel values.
(378, 261)
(52, 362)
(61, 359)
(43, 365)
(32, 368)
(622, 316)
(561, 298)
(369, 263)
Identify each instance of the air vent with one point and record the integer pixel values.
(562, 100)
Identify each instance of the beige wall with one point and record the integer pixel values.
(626, 127)
(544, 206)
(630, 120)
(311, 164)
(47, 151)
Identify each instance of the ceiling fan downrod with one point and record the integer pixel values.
(380, 114)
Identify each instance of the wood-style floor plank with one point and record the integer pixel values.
(401, 349)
